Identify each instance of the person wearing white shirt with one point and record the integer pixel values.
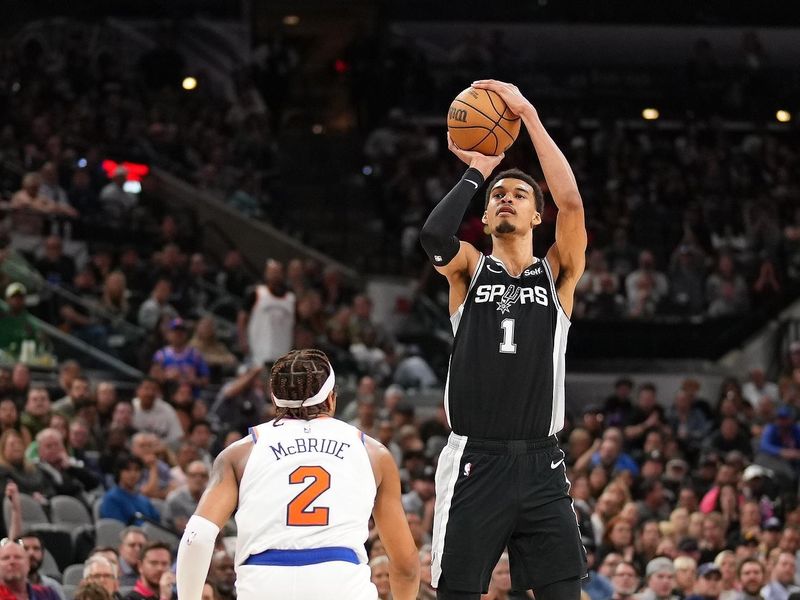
(152, 414)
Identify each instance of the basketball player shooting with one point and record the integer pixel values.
(303, 486)
(501, 480)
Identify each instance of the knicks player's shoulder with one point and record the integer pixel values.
(235, 455)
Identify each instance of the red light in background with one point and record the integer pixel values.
(341, 66)
(136, 171)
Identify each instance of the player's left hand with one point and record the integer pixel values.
(516, 102)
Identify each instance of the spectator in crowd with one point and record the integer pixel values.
(155, 481)
(157, 307)
(726, 290)
(14, 466)
(131, 542)
(266, 322)
(646, 287)
(124, 501)
(32, 543)
(99, 570)
(685, 575)
(757, 388)
(179, 362)
(233, 277)
(212, 350)
(624, 580)
(16, 323)
(781, 442)
(182, 502)
(379, 566)
(116, 202)
(201, 436)
(783, 578)
(708, 584)
(79, 395)
(38, 410)
(243, 400)
(66, 475)
(660, 578)
(154, 415)
(56, 267)
(14, 569)
(751, 578)
(115, 296)
(155, 578)
(223, 574)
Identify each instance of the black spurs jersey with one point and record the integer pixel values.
(506, 377)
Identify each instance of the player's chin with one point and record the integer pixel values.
(505, 227)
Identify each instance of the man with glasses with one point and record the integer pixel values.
(625, 581)
(34, 548)
(14, 567)
(132, 540)
(182, 502)
(101, 571)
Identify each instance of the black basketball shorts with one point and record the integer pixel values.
(496, 494)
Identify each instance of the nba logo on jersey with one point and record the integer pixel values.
(467, 469)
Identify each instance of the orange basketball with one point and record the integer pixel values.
(479, 120)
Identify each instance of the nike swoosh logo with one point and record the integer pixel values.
(492, 270)
(472, 182)
(554, 465)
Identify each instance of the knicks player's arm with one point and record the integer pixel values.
(390, 519)
(214, 509)
(567, 257)
(454, 259)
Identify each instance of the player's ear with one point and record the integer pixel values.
(537, 219)
(485, 218)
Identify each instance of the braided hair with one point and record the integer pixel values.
(299, 375)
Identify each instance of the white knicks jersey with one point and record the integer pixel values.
(307, 484)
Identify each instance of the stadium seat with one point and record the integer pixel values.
(66, 509)
(49, 566)
(73, 574)
(160, 506)
(155, 533)
(69, 591)
(58, 540)
(32, 511)
(96, 508)
(125, 590)
(107, 532)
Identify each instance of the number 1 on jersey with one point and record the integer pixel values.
(508, 346)
(297, 513)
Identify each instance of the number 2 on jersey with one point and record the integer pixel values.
(507, 346)
(297, 512)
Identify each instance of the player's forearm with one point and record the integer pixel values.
(557, 172)
(404, 583)
(438, 234)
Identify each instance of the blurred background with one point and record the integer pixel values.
(159, 160)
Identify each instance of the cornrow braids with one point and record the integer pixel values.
(299, 375)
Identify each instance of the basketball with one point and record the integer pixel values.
(479, 120)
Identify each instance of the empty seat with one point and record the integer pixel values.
(66, 509)
(32, 511)
(107, 532)
(73, 574)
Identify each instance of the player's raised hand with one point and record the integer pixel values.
(516, 102)
(483, 163)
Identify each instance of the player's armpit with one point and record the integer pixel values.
(390, 519)
(222, 493)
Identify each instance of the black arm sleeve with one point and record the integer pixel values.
(438, 235)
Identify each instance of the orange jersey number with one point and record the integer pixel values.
(297, 513)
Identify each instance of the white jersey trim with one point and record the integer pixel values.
(447, 472)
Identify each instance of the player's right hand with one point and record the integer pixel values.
(483, 163)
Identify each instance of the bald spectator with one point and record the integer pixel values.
(223, 574)
(182, 502)
(14, 568)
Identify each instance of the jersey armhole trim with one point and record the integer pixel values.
(253, 431)
(552, 280)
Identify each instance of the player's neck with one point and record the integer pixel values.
(515, 252)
